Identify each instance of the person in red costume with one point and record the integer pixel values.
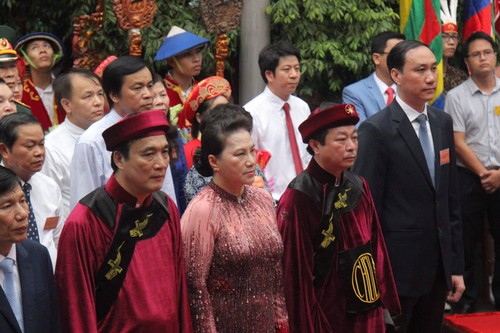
(122, 269)
(337, 272)
(183, 52)
(41, 51)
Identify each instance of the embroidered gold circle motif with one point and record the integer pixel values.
(364, 280)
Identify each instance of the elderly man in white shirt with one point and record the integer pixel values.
(80, 94)
(22, 150)
(127, 82)
(277, 115)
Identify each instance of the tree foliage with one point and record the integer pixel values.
(333, 35)
(334, 39)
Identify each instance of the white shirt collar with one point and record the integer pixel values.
(410, 112)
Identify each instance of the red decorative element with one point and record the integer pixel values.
(293, 140)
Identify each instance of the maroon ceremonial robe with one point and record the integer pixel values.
(153, 298)
(33, 100)
(321, 307)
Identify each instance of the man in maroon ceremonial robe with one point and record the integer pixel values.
(122, 267)
(336, 268)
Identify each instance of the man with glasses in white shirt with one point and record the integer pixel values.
(475, 108)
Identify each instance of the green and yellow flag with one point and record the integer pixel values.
(420, 20)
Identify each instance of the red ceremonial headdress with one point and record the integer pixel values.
(136, 126)
(100, 68)
(209, 88)
(328, 115)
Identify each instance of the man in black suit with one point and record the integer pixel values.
(406, 153)
(28, 301)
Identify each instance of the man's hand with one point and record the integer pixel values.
(490, 180)
(457, 288)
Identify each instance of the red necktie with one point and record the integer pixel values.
(293, 140)
(390, 95)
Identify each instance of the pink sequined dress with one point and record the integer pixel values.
(233, 262)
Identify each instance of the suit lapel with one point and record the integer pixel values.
(375, 92)
(6, 310)
(27, 277)
(407, 132)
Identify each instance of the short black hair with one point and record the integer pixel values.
(63, 87)
(9, 127)
(477, 36)
(379, 41)
(8, 180)
(216, 125)
(397, 57)
(269, 57)
(114, 74)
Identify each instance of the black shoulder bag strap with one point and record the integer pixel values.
(135, 224)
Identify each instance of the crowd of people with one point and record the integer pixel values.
(136, 202)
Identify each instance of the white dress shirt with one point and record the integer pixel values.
(59, 148)
(270, 133)
(412, 115)
(47, 97)
(46, 201)
(91, 163)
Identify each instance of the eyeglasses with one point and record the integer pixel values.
(447, 38)
(478, 54)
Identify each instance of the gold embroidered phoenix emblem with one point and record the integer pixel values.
(328, 233)
(342, 202)
(115, 265)
(140, 226)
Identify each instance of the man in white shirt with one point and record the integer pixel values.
(371, 94)
(78, 92)
(127, 82)
(22, 150)
(280, 68)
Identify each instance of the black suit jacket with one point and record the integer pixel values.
(40, 309)
(421, 222)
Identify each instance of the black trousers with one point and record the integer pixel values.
(424, 313)
(478, 207)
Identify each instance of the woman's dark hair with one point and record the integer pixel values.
(8, 180)
(204, 107)
(216, 125)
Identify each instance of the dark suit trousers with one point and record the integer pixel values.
(424, 313)
(477, 207)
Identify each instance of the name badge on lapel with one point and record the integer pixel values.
(444, 156)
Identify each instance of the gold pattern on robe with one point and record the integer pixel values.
(329, 237)
(342, 202)
(115, 265)
(140, 226)
(364, 279)
(328, 233)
